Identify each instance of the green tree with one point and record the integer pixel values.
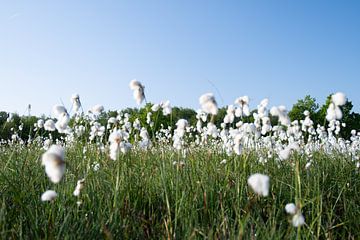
(351, 119)
(309, 104)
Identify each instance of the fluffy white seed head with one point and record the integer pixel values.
(40, 123)
(182, 124)
(155, 107)
(59, 111)
(166, 108)
(49, 125)
(97, 109)
(339, 99)
(208, 103)
(298, 220)
(138, 91)
(242, 100)
(264, 102)
(79, 186)
(75, 100)
(134, 84)
(53, 160)
(290, 208)
(260, 184)
(49, 195)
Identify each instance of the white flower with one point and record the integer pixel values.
(58, 111)
(49, 195)
(155, 107)
(339, 99)
(96, 166)
(238, 147)
(47, 144)
(49, 125)
(112, 120)
(79, 187)
(230, 114)
(117, 136)
(281, 112)
(166, 108)
(75, 100)
(139, 91)
(290, 208)
(53, 160)
(97, 109)
(63, 118)
(243, 102)
(62, 123)
(10, 117)
(333, 112)
(208, 103)
(118, 144)
(260, 184)
(223, 161)
(179, 133)
(298, 220)
(284, 154)
(40, 123)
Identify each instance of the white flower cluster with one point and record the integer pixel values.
(297, 217)
(54, 162)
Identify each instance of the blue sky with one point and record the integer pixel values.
(282, 50)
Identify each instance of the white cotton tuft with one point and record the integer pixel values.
(79, 186)
(138, 91)
(290, 208)
(223, 161)
(75, 100)
(243, 109)
(208, 103)
(264, 102)
(260, 184)
(118, 143)
(134, 84)
(284, 154)
(49, 125)
(49, 195)
(58, 111)
(339, 99)
(166, 108)
(97, 109)
(155, 107)
(333, 112)
(53, 160)
(274, 111)
(298, 220)
(40, 123)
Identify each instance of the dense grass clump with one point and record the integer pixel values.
(159, 194)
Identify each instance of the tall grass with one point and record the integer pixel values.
(144, 195)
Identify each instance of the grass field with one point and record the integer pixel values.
(160, 194)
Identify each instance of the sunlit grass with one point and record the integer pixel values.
(145, 195)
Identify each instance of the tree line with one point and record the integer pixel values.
(24, 125)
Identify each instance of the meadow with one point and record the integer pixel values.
(121, 180)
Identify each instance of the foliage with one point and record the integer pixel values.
(317, 114)
(308, 103)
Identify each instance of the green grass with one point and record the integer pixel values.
(143, 195)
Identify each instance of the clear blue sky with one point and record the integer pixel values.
(179, 50)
